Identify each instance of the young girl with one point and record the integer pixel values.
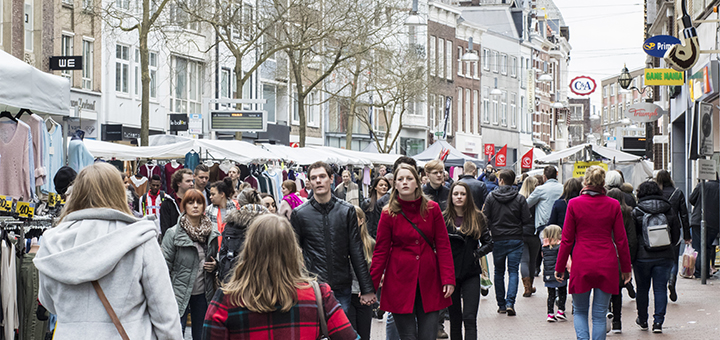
(361, 315)
(552, 235)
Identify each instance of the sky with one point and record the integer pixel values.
(604, 35)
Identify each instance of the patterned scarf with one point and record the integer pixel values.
(293, 200)
(198, 233)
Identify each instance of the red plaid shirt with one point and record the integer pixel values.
(226, 321)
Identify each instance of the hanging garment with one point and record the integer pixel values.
(78, 155)
(29, 283)
(192, 159)
(53, 154)
(36, 129)
(169, 171)
(15, 165)
(8, 281)
(225, 167)
(275, 177)
(214, 173)
(139, 184)
(150, 170)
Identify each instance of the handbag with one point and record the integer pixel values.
(110, 311)
(432, 246)
(321, 312)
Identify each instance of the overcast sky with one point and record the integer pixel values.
(604, 35)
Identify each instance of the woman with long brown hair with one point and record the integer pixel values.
(270, 295)
(373, 205)
(531, 242)
(360, 315)
(419, 277)
(466, 226)
(99, 241)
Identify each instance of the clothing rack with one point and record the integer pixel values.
(38, 222)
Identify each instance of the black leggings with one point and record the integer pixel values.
(465, 312)
(530, 256)
(417, 325)
(360, 317)
(561, 295)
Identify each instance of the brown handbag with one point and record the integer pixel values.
(110, 310)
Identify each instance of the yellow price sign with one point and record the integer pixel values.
(5, 203)
(52, 200)
(25, 209)
(61, 200)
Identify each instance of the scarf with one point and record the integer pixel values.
(592, 190)
(198, 233)
(293, 200)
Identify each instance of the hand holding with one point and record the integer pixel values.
(368, 299)
(560, 277)
(210, 266)
(626, 277)
(448, 290)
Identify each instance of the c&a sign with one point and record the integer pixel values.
(583, 86)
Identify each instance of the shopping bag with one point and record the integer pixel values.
(688, 262)
(485, 282)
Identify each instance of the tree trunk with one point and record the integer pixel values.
(239, 90)
(301, 117)
(144, 31)
(353, 104)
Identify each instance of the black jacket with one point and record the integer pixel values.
(440, 196)
(467, 251)
(507, 213)
(677, 201)
(169, 214)
(712, 212)
(629, 198)
(655, 205)
(330, 239)
(372, 216)
(549, 260)
(557, 214)
(478, 189)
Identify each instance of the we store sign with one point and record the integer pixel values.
(583, 86)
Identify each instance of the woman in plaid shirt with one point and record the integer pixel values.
(269, 294)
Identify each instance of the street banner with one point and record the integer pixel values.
(489, 149)
(580, 167)
(527, 159)
(501, 158)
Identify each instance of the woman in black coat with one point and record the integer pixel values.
(680, 211)
(373, 205)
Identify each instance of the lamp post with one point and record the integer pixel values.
(414, 19)
(624, 81)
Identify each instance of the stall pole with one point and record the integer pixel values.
(65, 133)
(703, 236)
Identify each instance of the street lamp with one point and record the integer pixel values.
(558, 105)
(469, 56)
(626, 79)
(496, 91)
(545, 78)
(414, 19)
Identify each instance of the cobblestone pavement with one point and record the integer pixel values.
(695, 315)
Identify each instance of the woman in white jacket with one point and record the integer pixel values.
(98, 239)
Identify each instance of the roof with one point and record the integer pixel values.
(496, 19)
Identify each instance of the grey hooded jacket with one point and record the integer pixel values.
(123, 254)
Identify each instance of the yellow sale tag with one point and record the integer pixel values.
(52, 200)
(25, 209)
(5, 203)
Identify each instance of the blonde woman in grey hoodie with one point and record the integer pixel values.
(98, 239)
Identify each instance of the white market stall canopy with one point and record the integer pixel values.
(235, 150)
(25, 87)
(123, 152)
(309, 155)
(374, 158)
(577, 151)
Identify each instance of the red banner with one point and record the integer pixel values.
(489, 149)
(527, 159)
(501, 157)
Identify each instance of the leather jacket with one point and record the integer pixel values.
(329, 235)
(439, 195)
(477, 188)
(467, 251)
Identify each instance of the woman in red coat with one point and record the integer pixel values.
(418, 281)
(590, 223)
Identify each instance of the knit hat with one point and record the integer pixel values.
(64, 179)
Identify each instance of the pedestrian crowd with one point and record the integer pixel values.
(241, 265)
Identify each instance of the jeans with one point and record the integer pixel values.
(531, 250)
(391, 331)
(197, 307)
(657, 271)
(561, 293)
(581, 306)
(417, 325)
(344, 297)
(509, 251)
(360, 317)
(465, 311)
(711, 236)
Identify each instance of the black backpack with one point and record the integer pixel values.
(656, 232)
(232, 242)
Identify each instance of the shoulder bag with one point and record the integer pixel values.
(432, 246)
(321, 312)
(110, 311)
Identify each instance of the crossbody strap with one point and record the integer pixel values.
(320, 309)
(110, 311)
(419, 231)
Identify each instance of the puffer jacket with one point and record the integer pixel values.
(677, 201)
(439, 195)
(507, 214)
(183, 261)
(467, 251)
(329, 235)
(550, 254)
(478, 189)
(655, 205)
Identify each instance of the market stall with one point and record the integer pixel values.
(122, 152)
(374, 158)
(454, 158)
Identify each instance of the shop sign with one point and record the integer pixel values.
(84, 101)
(86, 125)
(663, 76)
(66, 63)
(644, 112)
(178, 122)
(195, 123)
(580, 167)
(583, 86)
(489, 149)
(657, 46)
(705, 129)
(469, 146)
(706, 169)
(111, 132)
(703, 82)
(294, 145)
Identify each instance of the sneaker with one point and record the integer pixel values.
(608, 322)
(617, 327)
(502, 309)
(560, 315)
(643, 324)
(510, 310)
(673, 293)
(657, 328)
(442, 334)
(551, 318)
(630, 289)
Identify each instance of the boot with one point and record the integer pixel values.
(532, 281)
(527, 283)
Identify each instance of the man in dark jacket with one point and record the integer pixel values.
(436, 190)
(477, 188)
(507, 214)
(181, 181)
(711, 193)
(328, 233)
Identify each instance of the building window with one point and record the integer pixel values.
(29, 27)
(605, 114)
(494, 61)
(225, 83)
(460, 109)
(513, 67)
(87, 71)
(186, 87)
(576, 113)
(486, 104)
(433, 112)
(460, 66)
(503, 109)
(137, 73)
(122, 66)
(66, 49)
(612, 90)
(153, 67)
(441, 58)
(432, 58)
(468, 113)
(476, 67)
(495, 110)
(513, 110)
(504, 64)
(122, 4)
(612, 113)
(313, 109)
(448, 59)
(476, 113)
(441, 111)
(296, 108)
(269, 94)
(486, 59)
(605, 91)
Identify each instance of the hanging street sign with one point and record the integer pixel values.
(657, 46)
(663, 76)
(178, 122)
(66, 63)
(644, 112)
(583, 85)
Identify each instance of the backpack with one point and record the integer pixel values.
(656, 232)
(233, 239)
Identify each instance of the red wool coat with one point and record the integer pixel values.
(590, 223)
(407, 260)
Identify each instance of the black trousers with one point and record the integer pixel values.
(465, 311)
(360, 317)
(530, 259)
(561, 294)
(417, 325)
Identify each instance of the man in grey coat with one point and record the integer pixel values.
(544, 197)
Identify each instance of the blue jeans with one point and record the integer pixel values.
(344, 297)
(657, 271)
(581, 307)
(197, 307)
(510, 251)
(391, 331)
